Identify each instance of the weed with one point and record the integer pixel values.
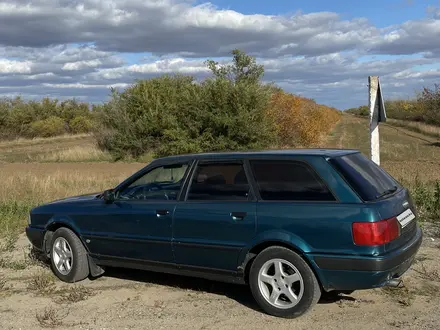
(2, 283)
(402, 295)
(5, 290)
(420, 258)
(75, 294)
(429, 289)
(8, 243)
(432, 275)
(15, 264)
(427, 199)
(159, 304)
(42, 282)
(399, 324)
(50, 318)
(13, 213)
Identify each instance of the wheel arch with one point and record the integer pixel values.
(53, 226)
(56, 224)
(261, 246)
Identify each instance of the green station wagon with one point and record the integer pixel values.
(291, 224)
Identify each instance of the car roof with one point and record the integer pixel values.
(264, 154)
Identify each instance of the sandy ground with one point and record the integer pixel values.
(31, 298)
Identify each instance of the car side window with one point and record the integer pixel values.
(289, 181)
(217, 181)
(161, 183)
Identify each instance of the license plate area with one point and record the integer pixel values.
(405, 217)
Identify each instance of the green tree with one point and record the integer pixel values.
(244, 68)
(175, 114)
(81, 124)
(48, 127)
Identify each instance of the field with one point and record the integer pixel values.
(36, 171)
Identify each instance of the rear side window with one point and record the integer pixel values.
(368, 179)
(216, 181)
(289, 181)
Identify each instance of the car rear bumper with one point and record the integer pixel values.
(36, 237)
(355, 273)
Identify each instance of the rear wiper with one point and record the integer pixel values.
(387, 192)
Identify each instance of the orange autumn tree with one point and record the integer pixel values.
(300, 121)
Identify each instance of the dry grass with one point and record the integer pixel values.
(87, 153)
(2, 283)
(14, 265)
(74, 294)
(402, 295)
(61, 149)
(8, 243)
(51, 140)
(42, 282)
(27, 185)
(23, 150)
(44, 183)
(426, 273)
(406, 155)
(430, 130)
(50, 318)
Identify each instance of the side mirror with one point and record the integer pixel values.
(109, 196)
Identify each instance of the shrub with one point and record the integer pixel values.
(51, 126)
(80, 124)
(17, 115)
(138, 119)
(425, 107)
(429, 100)
(300, 121)
(426, 196)
(174, 114)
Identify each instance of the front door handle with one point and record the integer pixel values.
(238, 215)
(160, 213)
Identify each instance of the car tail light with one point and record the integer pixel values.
(375, 233)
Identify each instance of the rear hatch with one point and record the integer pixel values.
(381, 191)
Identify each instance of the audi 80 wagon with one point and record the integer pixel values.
(290, 223)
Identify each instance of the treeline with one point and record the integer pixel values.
(425, 107)
(233, 109)
(45, 118)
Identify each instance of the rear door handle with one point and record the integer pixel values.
(238, 215)
(160, 213)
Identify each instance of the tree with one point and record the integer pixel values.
(174, 114)
(244, 68)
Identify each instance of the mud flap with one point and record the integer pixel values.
(95, 270)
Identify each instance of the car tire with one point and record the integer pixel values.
(295, 280)
(68, 256)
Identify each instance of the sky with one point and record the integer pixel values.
(319, 49)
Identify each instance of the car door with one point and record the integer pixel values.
(217, 217)
(137, 225)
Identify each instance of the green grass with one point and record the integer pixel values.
(13, 219)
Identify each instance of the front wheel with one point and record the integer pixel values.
(282, 283)
(68, 256)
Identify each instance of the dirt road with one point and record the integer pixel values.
(31, 298)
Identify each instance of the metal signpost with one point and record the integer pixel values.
(377, 115)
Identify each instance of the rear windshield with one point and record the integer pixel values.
(369, 180)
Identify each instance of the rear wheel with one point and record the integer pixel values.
(282, 283)
(68, 256)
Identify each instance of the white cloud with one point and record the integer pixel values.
(64, 47)
(7, 66)
(74, 66)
